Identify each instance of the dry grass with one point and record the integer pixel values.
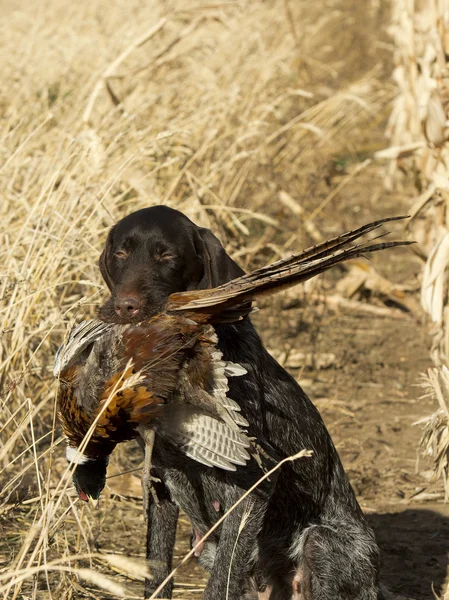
(214, 108)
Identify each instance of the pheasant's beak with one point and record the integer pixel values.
(86, 498)
(93, 503)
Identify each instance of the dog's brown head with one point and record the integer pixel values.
(153, 253)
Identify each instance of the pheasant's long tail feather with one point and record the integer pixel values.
(324, 249)
(232, 300)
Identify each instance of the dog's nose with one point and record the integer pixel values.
(127, 307)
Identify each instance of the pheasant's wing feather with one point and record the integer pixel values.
(232, 300)
(202, 421)
(210, 441)
(79, 339)
(221, 370)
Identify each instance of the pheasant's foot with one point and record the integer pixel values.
(257, 452)
(148, 490)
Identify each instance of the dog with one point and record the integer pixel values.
(301, 535)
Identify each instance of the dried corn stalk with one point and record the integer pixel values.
(418, 123)
(419, 129)
(435, 438)
(419, 134)
(418, 126)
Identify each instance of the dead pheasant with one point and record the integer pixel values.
(165, 376)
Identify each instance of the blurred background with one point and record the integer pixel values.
(276, 124)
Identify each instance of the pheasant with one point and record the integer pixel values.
(165, 376)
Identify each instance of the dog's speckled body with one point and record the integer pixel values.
(305, 537)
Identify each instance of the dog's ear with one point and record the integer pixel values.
(105, 258)
(218, 265)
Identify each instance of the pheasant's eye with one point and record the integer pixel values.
(121, 254)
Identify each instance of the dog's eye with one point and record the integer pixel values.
(166, 256)
(121, 254)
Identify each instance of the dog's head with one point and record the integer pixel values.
(153, 253)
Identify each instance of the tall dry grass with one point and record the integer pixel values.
(213, 108)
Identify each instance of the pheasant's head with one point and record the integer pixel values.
(89, 476)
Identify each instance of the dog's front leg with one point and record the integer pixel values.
(162, 518)
(236, 553)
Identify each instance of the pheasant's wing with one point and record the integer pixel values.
(201, 420)
(80, 338)
(205, 438)
(203, 380)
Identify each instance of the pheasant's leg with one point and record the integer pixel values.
(147, 479)
(258, 453)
